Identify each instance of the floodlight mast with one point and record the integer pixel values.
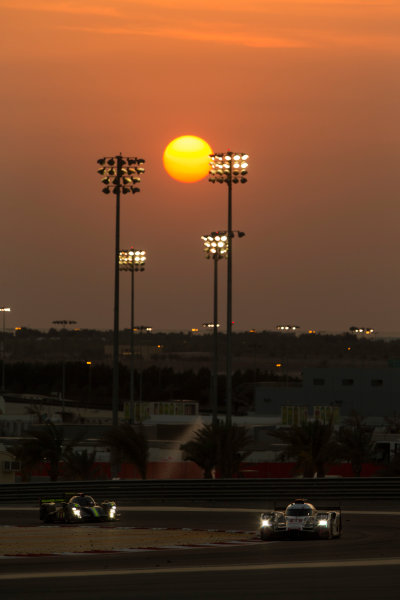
(120, 173)
(229, 167)
(132, 260)
(215, 247)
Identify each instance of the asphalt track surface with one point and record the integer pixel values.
(363, 564)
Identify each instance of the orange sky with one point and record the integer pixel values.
(309, 89)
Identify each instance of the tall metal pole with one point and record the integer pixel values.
(3, 355)
(229, 168)
(115, 396)
(229, 308)
(215, 365)
(132, 382)
(124, 178)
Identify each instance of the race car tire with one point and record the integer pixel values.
(325, 533)
(339, 531)
(46, 516)
(46, 520)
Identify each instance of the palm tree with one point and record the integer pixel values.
(203, 449)
(218, 446)
(129, 444)
(232, 449)
(311, 444)
(80, 465)
(44, 444)
(355, 441)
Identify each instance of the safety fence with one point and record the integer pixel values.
(214, 490)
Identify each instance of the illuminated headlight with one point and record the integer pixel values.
(112, 512)
(265, 523)
(323, 523)
(76, 512)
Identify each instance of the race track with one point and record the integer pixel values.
(364, 563)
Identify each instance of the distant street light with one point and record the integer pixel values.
(119, 174)
(143, 328)
(229, 168)
(215, 247)
(364, 330)
(4, 309)
(286, 328)
(132, 260)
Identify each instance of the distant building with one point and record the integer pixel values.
(325, 392)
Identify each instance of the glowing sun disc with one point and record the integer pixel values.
(186, 158)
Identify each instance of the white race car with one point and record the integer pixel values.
(301, 519)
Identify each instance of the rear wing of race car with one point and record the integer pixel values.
(54, 500)
(328, 508)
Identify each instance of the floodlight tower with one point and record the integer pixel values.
(229, 168)
(120, 174)
(215, 247)
(132, 260)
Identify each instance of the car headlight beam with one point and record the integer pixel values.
(265, 523)
(323, 523)
(76, 512)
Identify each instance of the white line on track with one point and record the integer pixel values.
(394, 562)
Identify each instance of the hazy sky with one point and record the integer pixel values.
(309, 89)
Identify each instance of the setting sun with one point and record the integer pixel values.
(186, 158)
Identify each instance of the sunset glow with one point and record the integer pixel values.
(310, 89)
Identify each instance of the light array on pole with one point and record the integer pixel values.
(121, 173)
(132, 260)
(215, 245)
(229, 167)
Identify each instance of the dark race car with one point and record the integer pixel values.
(79, 508)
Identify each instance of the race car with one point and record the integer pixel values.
(78, 508)
(301, 519)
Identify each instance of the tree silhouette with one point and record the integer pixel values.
(80, 464)
(311, 444)
(203, 449)
(218, 446)
(129, 444)
(355, 442)
(44, 444)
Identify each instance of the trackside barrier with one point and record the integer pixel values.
(214, 490)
